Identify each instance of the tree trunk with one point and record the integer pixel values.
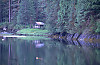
(9, 11)
(0, 11)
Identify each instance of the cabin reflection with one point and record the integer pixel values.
(38, 44)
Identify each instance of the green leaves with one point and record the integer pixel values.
(98, 27)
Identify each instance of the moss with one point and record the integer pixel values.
(86, 39)
(55, 36)
(74, 39)
(91, 40)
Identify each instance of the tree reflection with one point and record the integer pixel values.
(21, 52)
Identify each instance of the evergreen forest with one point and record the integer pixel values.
(71, 16)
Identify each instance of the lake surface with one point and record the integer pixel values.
(16, 51)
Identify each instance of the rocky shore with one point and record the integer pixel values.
(79, 37)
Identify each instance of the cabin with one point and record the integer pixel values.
(38, 25)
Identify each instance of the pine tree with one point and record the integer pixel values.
(9, 11)
(0, 10)
(26, 13)
(51, 15)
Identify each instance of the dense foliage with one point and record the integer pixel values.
(76, 16)
(71, 16)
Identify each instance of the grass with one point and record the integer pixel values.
(36, 34)
(34, 38)
(33, 31)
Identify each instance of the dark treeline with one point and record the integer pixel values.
(71, 16)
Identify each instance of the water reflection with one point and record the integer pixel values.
(38, 44)
(3, 38)
(14, 51)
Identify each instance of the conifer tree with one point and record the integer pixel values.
(26, 13)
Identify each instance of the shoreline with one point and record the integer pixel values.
(67, 36)
(78, 37)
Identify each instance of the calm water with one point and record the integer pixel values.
(14, 51)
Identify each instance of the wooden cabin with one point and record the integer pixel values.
(38, 25)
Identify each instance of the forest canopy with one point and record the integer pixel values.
(71, 16)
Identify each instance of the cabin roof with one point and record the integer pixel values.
(39, 23)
